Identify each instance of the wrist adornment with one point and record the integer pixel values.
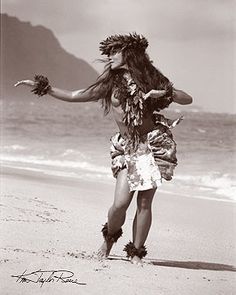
(42, 85)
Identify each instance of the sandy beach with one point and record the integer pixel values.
(53, 223)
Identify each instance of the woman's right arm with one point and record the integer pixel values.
(81, 95)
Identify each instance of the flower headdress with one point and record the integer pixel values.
(117, 43)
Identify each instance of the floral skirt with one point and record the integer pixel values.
(153, 159)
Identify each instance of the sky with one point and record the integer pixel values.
(193, 42)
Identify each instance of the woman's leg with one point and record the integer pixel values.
(117, 212)
(143, 219)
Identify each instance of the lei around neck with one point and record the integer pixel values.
(132, 103)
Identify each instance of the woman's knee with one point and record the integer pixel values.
(123, 196)
(144, 200)
(118, 207)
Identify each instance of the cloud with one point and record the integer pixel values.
(169, 19)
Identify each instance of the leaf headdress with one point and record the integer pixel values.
(118, 43)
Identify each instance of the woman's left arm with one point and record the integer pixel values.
(181, 97)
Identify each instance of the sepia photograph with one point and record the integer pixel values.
(118, 147)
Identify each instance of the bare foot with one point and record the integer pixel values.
(136, 260)
(105, 249)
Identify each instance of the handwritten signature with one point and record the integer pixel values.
(47, 276)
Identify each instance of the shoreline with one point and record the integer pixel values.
(38, 174)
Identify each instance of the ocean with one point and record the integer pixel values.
(73, 140)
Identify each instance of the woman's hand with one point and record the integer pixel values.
(154, 94)
(26, 82)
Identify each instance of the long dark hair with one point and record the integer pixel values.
(142, 71)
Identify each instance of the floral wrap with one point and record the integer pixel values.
(153, 159)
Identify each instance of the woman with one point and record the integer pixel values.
(143, 152)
